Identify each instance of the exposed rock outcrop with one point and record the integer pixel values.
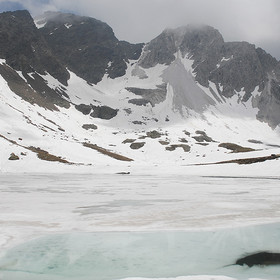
(154, 134)
(152, 96)
(89, 126)
(103, 112)
(137, 145)
(202, 137)
(173, 147)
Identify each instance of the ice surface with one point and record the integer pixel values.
(109, 226)
(116, 255)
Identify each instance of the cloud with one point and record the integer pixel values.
(255, 21)
(10, 6)
(35, 7)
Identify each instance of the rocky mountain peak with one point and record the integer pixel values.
(52, 21)
(198, 69)
(86, 46)
(192, 39)
(58, 17)
(235, 65)
(22, 16)
(24, 49)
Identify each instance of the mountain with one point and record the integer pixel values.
(226, 69)
(72, 93)
(87, 46)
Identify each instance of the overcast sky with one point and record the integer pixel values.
(255, 21)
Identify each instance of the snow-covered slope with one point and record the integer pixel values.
(159, 112)
(156, 140)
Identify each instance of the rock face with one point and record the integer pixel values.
(84, 108)
(103, 112)
(60, 42)
(24, 49)
(84, 45)
(234, 65)
(87, 46)
(230, 66)
(152, 96)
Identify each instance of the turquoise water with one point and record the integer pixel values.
(117, 255)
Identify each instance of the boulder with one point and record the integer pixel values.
(137, 145)
(13, 157)
(89, 126)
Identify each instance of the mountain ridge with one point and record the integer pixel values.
(89, 48)
(89, 41)
(71, 82)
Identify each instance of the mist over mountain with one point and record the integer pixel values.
(64, 76)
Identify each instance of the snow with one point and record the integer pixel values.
(186, 91)
(187, 61)
(40, 21)
(68, 25)
(226, 59)
(227, 121)
(142, 225)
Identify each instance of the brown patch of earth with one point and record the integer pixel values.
(106, 152)
(43, 155)
(244, 160)
(236, 148)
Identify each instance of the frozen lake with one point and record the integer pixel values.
(111, 226)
